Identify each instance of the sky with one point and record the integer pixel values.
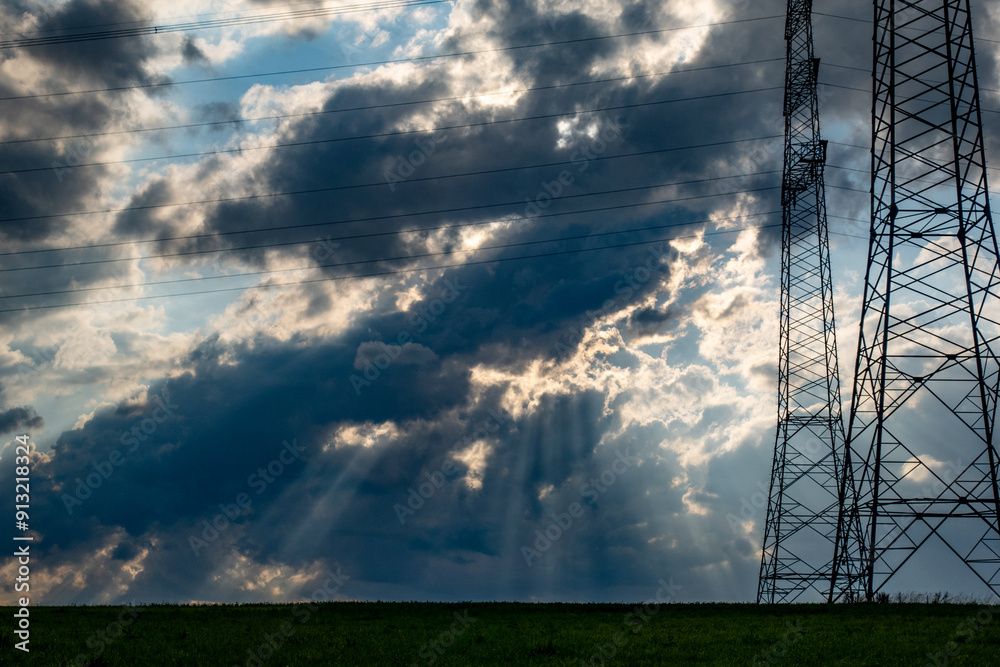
(460, 300)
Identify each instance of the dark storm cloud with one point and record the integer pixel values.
(211, 414)
(238, 404)
(110, 62)
(538, 296)
(30, 201)
(19, 419)
(231, 419)
(222, 422)
(154, 195)
(651, 321)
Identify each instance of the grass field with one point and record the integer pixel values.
(382, 633)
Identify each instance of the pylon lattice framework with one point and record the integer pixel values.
(800, 532)
(921, 431)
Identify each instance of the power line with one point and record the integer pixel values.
(312, 142)
(353, 237)
(382, 183)
(856, 69)
(841, 143)
(351, 221)
(386, 273)
(236, 21)
(868, 91)
(851, 236)
(388, 105)
(265, 272)
(869, 22)
(860, 171)
(868, 72)
(189, 237)
(842, 187)
(846, 18)
(258, 75)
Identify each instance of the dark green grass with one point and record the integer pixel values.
(382, 633)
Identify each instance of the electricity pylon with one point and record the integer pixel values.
(921, 428)
(800, 533)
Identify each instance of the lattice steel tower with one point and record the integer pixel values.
(800, 533)
(921, 429)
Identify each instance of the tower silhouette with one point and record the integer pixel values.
(921, 447)
(800, 533)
